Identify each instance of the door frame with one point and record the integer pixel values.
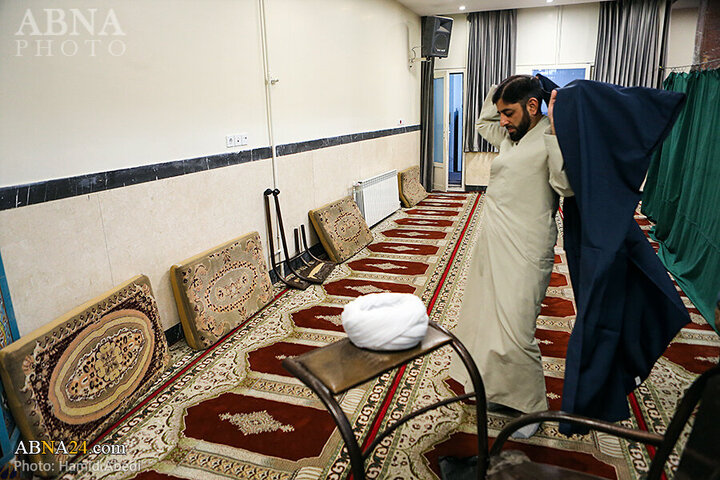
(462, 122)
(440, 169)
(443, 168)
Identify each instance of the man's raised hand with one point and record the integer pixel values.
(551, 105)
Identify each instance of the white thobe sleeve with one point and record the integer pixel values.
(488, 124)
(558, 178)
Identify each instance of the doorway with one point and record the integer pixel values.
(455, 152)
(448, 93)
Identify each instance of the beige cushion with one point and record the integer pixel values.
(411, 190)
(217, 290)
(73, 378)
(341, 228)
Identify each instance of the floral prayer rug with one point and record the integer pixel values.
(232, 411)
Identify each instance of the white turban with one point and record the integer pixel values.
(385, 321)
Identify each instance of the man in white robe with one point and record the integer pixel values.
(512, 260)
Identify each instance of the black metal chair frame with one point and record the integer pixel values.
(298, 248)
(298, 367)
(322, 267)
(288, 259)
(297, 282)
(664, 443)
(307, 249)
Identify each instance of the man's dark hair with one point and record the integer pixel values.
(519, 89)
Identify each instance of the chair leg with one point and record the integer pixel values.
(480, 402)
(357, 463)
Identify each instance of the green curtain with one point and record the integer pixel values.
(682, 192)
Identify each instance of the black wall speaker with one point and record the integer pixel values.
(436, 36)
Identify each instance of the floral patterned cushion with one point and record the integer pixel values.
(341, 228)
(411, 190)
(72, 379)
(219, 289)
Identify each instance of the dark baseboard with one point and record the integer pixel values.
(46, 191)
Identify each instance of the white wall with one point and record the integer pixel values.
(681, 37)
(545, 36)
(567, 35)
(344, 64)
(564, 35)
(191, 73)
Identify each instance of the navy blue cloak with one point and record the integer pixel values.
(628, 309)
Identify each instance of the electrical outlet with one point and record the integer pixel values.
(236, 140)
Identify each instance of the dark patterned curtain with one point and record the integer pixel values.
(491, 59)
(426, 123)
(632, 38)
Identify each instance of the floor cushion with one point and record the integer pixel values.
(341, 228)
(411, 190)
(73, 378)
(217, 290)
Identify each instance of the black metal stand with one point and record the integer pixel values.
(316, 268)
(290, 280)
(309, 273)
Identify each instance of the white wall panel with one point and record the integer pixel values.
(343, 68)
(565, 35)
(190, 74)
(55, 258)
(536, 36)
(578, 33)
(681, 37)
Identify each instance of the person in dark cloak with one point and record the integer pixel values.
(628, 309)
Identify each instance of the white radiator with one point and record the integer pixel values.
(378, 196)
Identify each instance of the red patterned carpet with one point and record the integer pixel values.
(233, 411)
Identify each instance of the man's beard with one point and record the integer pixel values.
(521, 129)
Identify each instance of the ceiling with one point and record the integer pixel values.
(449, 7)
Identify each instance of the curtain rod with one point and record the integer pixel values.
(692, 64)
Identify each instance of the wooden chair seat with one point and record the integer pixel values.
(341, 366)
